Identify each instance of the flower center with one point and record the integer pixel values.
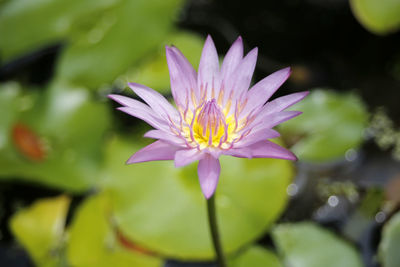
(209, 125)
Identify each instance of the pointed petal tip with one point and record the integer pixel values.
(134, 85)
(238, 41)
(208, 190)
(209, 41)
(291, 115)
(112, 96)
(301, 95)
(170, 49)
(169, 53)
(118, 99)
(130, 84)
(290, 156)
(287, 70)
(298, 113)
(146, 135)
(208, 195)
(156, 151)
(174, 52)
(253, 51)
(129, 162)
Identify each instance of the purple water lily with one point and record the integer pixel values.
(216, 113)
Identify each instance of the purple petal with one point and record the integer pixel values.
(140, 110)
(158, 150)
(182, 75)
(260, 134)
(266, 120)
(125, 101)
(242, 152)
(186, 66)
(244, 72)
(155, 100)
(233, 58)
(187, 156)
(264, 89)
(284, 102)
(166, 137)
(209, 67)
(208, 170)
(146, 114)
(268, 149)
(279, 117)
(262, 149)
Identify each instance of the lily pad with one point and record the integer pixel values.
(162, 208)
(52, 138)
(389, 246)
(107, 51)
(93, 241)
(40, 229)
(256, 256)
(378, 16)
(154, 71)
(308, 245)
(49, 22)
(332, 123)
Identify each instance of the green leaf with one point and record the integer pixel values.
(389, 246)
(308, 245)
(154, 71)
(256, 256)
(331, 124)
(48, 21)
(102, 55)
(67, 127)
(378, 16)
(162, 208)
(9, 106)
(40, 229)
(93, 242)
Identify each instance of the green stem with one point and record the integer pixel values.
(212, 220)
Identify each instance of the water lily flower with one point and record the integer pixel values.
(216, 113)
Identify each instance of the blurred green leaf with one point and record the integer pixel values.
(108, 50)
(9, 107)
(389, 246)
(40, 229)
(308, 245)
(93, 242)
(162, 208)
(331, 124)
(65, 127)
(154, 73)
(378, 16)
(256, 256)
(31, 24)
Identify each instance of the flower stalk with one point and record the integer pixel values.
(212, 221)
